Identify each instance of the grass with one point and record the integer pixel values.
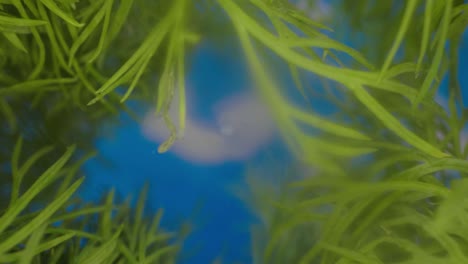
(389, 169)
(66, 229)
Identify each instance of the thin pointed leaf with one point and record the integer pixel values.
(50, 4)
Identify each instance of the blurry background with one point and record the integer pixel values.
(204, 195)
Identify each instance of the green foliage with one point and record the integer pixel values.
(65, 231)
(389, 180)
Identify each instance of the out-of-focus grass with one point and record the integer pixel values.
(67, 231)
(389, 169)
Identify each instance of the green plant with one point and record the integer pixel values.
(67, 231)
(383, 163)
(389, 183)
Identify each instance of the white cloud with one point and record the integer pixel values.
(243, 125)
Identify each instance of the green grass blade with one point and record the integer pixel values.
(44, 180)
(325, 125)
(50, 4)
(426, 33)
(15, 40)
(44, 246)
(394, 125)
(35, 86)
(102, 253)
(40, 219)
(20, 22)
(439, 53)
(139, 210)
(105, 27)
(86, 33)
(19, 173)
(106, 215)
(149, 46)
(405, 23)
(32, 244)
(327, 43)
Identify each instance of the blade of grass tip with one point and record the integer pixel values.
(138, 217)
(104, 34)
(74, 169)
(154, 39)
(142, 67)
(439, 53)
(31, 246)
(426, 34)
(119, 18)
(48, 176)
(87, 84)
(405, 23)
(15, 41)
(56, 51)
(394, 125)
(86, 33)
(104, 252)
(19, 174)
(155, 223)
(106, 216)
(40, 219)
(50, 4)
